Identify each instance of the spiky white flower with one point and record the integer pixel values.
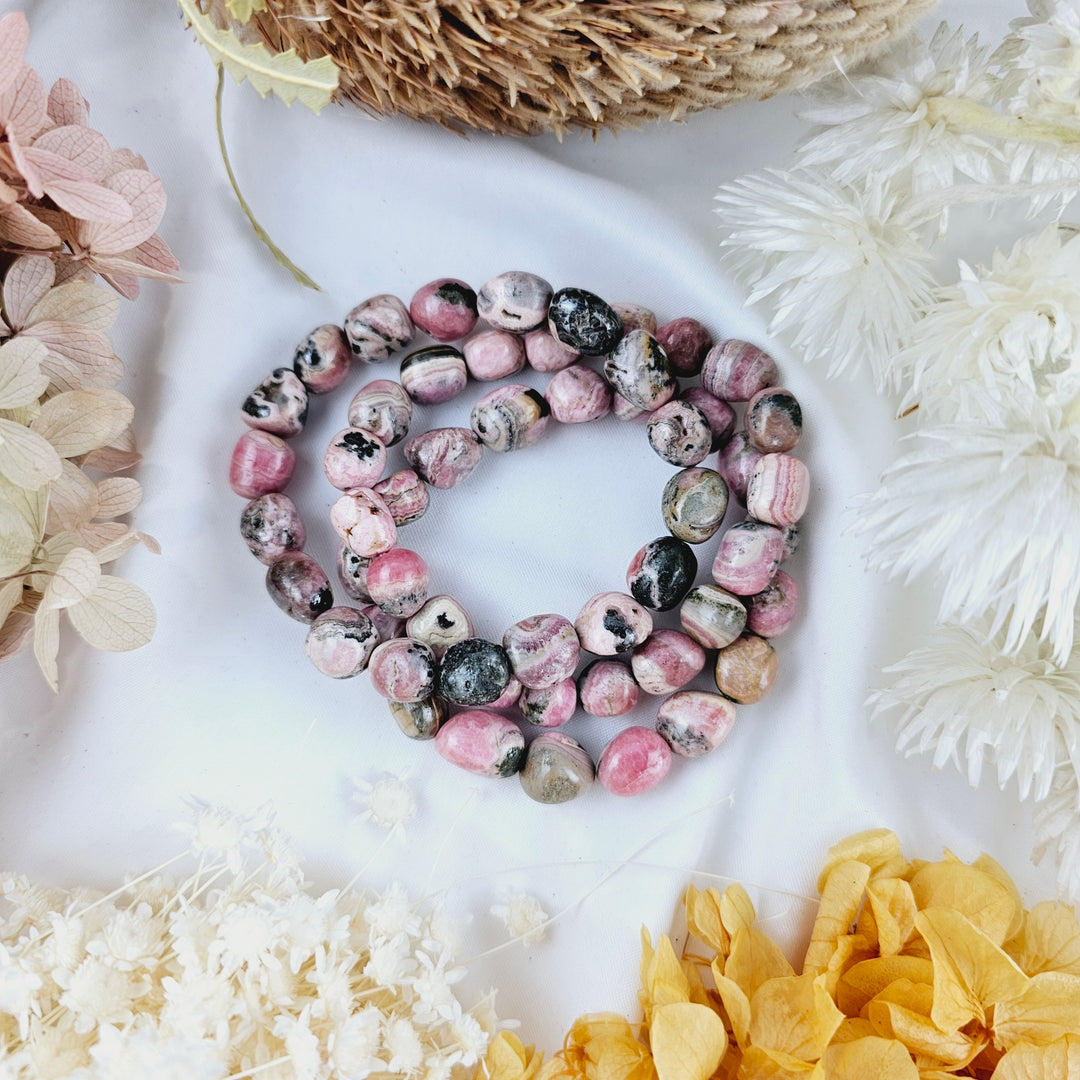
(144, 1050)
(523, 916)
(402, 1042)
(1040, 61)
(1012, 327)
(895, 119)
(993, 507)
(962, 694)
(388, 802)
(1057, 828)
(845, 275)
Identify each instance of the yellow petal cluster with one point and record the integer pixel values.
(913, 971)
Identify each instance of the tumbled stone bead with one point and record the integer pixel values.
(299, 586)
(712, 617)
(261, 464)
(510, 417)
(635, 317)
(340, 642)
(515, 300)
(549, 706)
(444, 309)
(748, 557)
(509, 697)
(352, 573)
(322, 359)
(612, 622)
(661, 573)
(419, 719)
(638, 368)
(635, 761)
(444, 457)
(778, 490)
(772, 611)
(398, 582)
(543, 650)
(440, 623)
(362, 520)
(792, 536)
(720, 414)
(546, 353)
(434, 375)
(474, 672)
(403, 670)
(773, 420)
(607, 688)
(666, 661)
(557, 769)
(694, 722)
(494, 354)
(577, 395)
(378, 327)
(583, 321)
(627, 410)
(279, 404)
(383, 409)
(736, 370)
(386, 626)
(686, 342)
(680, 433)
(482, 742)
(354, 459)
(270, 526)
(736, 462)
(693, 504)
(405, 495)
(746, 669)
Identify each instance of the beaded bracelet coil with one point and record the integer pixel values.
(421, 651)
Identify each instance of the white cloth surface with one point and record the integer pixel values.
(224, 706)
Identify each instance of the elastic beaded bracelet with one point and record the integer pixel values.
(421, 651)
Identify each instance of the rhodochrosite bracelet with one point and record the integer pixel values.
(442, 681)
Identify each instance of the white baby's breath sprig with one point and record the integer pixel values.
(845, 276)
(387, 802)
(522, 915)
(1015, 324)
(993, 507)
(892, 118)
(962, 695)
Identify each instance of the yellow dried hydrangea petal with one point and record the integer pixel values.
(870, 1058)
(507, 1058)
(760, 1064)
(867, 979)
(754, 959)
(703, 919)
(736, 910)
(1058, 1061)
(736, 1004)
(794, 1015)
(1049, 940)
(687, 1041)
(874, 847)
(981, 898)
(607, 1048)
(921, 1035)
(893, 905)
(841, 897)
(1046, 1009)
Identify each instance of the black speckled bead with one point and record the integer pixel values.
(639, 370)
(419, 719)
(583, 321)
(270, 526)
(474, 672)
(352, 573)
(279, 404)
(662, 573)
(322, 360)
(694, 503)
(299, 586)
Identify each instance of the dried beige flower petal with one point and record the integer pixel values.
(117, 617)
(79, 421)
(73, 500)
(83, 302)
(47, 645)
(117, 495)
(26, 458)
(27, 281)
(76, 579)
(17, 539)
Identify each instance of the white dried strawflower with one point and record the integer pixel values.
(893, 119)
(993, 508)
(963, 696)
(523, 916)
(844, 274)
(1057, 828)
(1014, 326)
(387, 802)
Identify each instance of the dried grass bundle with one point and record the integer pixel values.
(529, 66)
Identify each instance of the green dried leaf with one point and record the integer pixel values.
(311, 82)
(117, 617)
(242, 10)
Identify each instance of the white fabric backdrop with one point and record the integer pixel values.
(224, 706)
